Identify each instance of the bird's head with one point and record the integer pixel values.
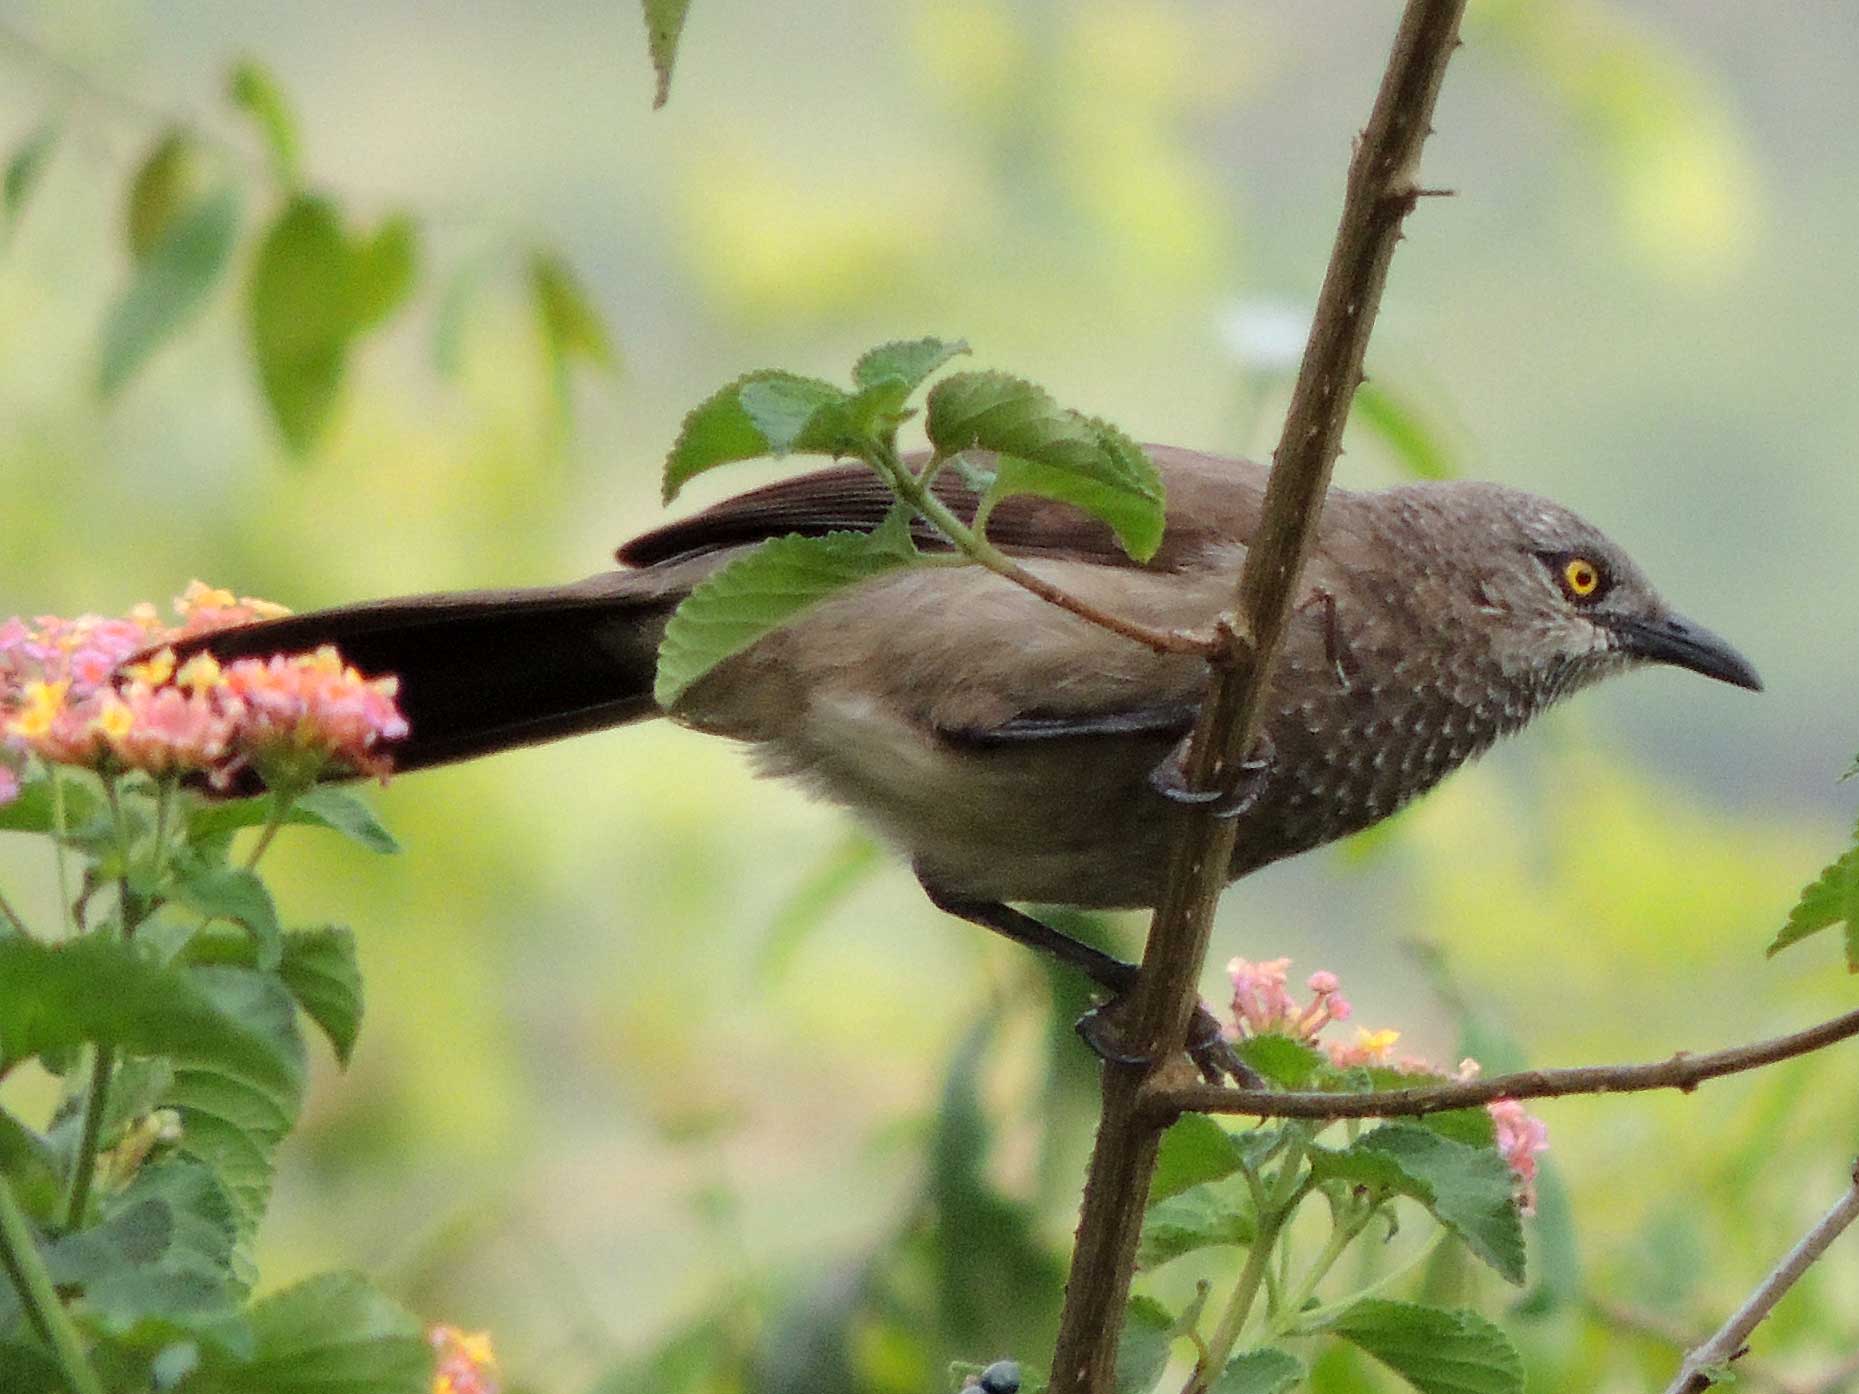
(1561, 602)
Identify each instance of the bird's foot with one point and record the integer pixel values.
(1169, 779)
(1102, 1029)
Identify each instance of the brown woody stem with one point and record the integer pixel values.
(1682, 1071)
(1381, 191)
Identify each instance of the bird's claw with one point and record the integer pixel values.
(1169, 780)
(1207, 1045)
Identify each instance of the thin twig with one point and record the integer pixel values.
(1682, 1071)
(1706, 1362)
(1381, 191)
(1670, 1331)
(11, 916)
(973, 544)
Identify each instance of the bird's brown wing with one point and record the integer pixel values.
(851, 497)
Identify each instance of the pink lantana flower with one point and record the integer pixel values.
(1521, 1137)
(301, 713)
(1262, 1005)
(466, 1364)
(106, 694)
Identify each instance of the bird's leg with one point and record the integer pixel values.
(1207, 1045)
(1170, 781)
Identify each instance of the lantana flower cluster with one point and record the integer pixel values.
(109, 694)
(465, 1363)
(1263, 1005)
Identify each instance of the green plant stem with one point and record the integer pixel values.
(59, 831)
(103, 1053)
(40, 1299)
(280, 807)
(11, 916)
(164, 806)
(84, 1165)
(1261, 1206)
(1238, 1307)
(121, 828)
(1316, 1318)
(1287, 1193)
(1342, 1234)
(917, 493)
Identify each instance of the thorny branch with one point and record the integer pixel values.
(1683, 1071)
(1381, 191)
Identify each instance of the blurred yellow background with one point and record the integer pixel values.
(586, 1093)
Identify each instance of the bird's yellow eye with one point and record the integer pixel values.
(1581, 578)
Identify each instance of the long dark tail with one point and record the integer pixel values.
(482, 671)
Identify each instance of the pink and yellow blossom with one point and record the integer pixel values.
(465, 1362)
(1262, 1005)
(108, 694)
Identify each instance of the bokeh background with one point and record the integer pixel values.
(657, 1052)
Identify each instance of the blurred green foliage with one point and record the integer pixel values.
(588, 1113)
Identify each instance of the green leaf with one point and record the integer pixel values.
(1194, 1150)
(1438, 1352)
(784, 410)
(1414, 444)
(236, 894)
(1267, 1370)
(170, 285)
(1285, 1062)
(301, 314)
(1198, 1218)
(136, 1090)
(905, 361)
(231, 1119)
(1469, 1189)
(23, 169)
(254, 91)
(31, 1165)
(91, 989)
(664, 23)
(1049, 450)
(325, 806)
(1831, 899)
(27, 1369)
(334, 1334)
(757, 593)
(161, 1251)
(1142, 1348)
(571, 326)
(321, 970)
(1558, 1265)
(720, 430)
(170, 181)
(381, 271)
(32, 811)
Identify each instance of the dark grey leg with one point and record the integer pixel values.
(1111, 973)
(1207, 1046)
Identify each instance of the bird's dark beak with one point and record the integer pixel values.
(1675, 640)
